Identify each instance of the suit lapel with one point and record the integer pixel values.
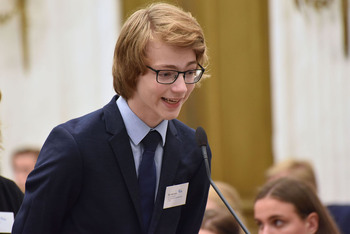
(121, 147)
(171, 156)
(122, 150)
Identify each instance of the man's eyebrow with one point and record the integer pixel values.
(192, 62)
(170, 66)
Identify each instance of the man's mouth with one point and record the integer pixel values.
(171, 101)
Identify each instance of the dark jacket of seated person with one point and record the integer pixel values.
(341, 215)
(11, 196)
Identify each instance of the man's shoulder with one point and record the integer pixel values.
(89, 121)
(181, 127)
(86, 121)
(182, 131)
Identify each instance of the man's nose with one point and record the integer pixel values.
(179, 83)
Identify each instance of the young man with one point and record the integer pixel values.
(90, 176)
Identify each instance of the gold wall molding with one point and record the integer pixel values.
(317, 4)
(323, 4)
(346, 24)
(9, 9)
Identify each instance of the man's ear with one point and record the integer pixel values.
(312, 222)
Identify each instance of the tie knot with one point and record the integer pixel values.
(151, 141)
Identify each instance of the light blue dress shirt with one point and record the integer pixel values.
(137, 130)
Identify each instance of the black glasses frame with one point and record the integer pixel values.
(178, 74)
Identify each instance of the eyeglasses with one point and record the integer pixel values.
(170, 76)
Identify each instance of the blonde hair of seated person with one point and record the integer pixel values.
(294, 168)
(218, 221)
(230, 194)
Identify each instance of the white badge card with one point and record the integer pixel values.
(175, 195)
(6, 222)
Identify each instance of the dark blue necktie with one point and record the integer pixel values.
(148, 176)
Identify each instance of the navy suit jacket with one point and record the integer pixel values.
(85, 180)
(341, 216)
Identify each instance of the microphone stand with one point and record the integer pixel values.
(206, 161)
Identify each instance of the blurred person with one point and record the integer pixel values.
(10, 199)
(230, 194)
(23, 162)
(287, 205)
(129, 167)
(304, 171)
(11, 196)
(299, 169)
(218, 206)
(219, 221)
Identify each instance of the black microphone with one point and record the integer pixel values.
(202, 141)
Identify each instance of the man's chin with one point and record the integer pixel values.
(171, 116)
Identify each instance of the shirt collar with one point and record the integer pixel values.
(135, 127)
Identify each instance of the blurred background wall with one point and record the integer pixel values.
(279, 84)
(309, 44)
(55, 64)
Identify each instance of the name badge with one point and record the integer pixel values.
(175, 195)
(6, 221)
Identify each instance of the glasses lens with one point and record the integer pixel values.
(166, 77)
(193, 76)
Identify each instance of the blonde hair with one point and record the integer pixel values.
(220, 222)
(229, 192)
(298, 169)
(162, 21)
(231, 195)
